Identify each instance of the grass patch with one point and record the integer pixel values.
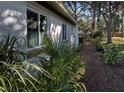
(115, 41)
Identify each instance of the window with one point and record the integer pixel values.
(32, 27)
(64, 31)
(36, 28)
(43, 26)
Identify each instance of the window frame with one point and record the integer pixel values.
(39, 36)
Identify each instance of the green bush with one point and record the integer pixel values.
(65, 66)
(97, 34)
(99, 45)
(112, 54)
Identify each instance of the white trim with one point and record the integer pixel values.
(36, 47)
(37, 11)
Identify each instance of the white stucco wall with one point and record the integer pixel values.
(13, 19)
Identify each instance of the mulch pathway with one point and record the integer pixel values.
(100, 77)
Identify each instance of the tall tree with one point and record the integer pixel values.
(121, 9)
(94, 11)
(76, 9)
(108, 11)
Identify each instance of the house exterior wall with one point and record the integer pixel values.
(13, 20)
(55, 26)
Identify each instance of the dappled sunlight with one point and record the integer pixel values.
(9, 20)
(56, 33)
(12, 22)
(115, 40)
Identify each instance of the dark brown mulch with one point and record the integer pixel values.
(100, 77)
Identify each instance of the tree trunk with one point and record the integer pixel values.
(109, 37)
(122, 25)
(75, 10)
(94, 18)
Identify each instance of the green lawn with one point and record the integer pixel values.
(116, 40)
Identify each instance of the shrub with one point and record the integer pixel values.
(112, 54)
(97, 34)
(99, 45)
(64, 65)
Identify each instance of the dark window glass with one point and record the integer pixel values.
(64, 31)
(43, 26)
(32, 29)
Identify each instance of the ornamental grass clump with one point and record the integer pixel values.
(15, 75)
(65, 66)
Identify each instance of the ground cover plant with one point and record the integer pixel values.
(112, 54)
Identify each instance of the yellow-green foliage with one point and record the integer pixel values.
(112, 54)
(115, 40)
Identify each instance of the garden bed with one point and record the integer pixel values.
(115, 75)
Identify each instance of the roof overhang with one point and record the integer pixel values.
(58, 9)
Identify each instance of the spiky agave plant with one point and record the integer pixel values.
(63, 64)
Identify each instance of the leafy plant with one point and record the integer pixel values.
(64, 65)
(9, 51)
(62, 69)
(112, 54)
(99, 45)
(97, 34)
(16, 76)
